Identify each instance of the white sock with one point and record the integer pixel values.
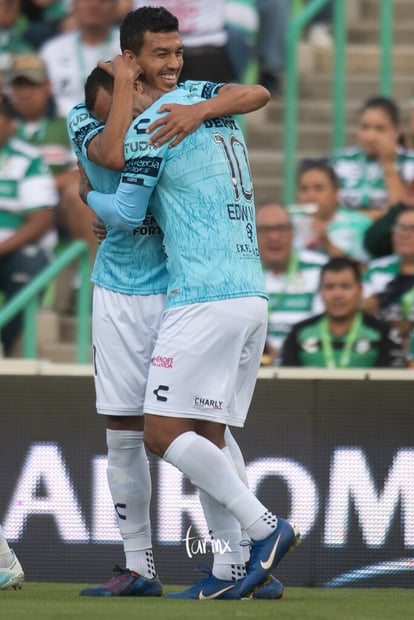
(141, 562)
(263, 527)
(235, 455)
(6, 556)
(225, 532)
(208, 469)
(266, 524)
(130, 485)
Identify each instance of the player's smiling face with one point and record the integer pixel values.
(161, 59)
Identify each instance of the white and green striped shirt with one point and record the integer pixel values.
(26, 185)
(362, 179)
(379, 272)
(294, 297)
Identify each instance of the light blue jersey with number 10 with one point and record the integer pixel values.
(203, 201)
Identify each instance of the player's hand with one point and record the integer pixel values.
(121, 66)
(99, 230)
(180, 121)
(84, 185)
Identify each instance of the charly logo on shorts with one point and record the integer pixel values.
(158, 393)
(162, 362)
(207, 403)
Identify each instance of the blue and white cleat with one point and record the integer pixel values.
(12, 577)
(209, 588)
(271, 589)
(126, 583)
(267, 553)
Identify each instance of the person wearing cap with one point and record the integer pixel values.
(27, 200)
(38, 125)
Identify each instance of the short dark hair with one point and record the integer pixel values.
(145, 19)
(339, 263)
(323, 165)
(98, 78)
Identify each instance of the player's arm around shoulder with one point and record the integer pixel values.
(240, 98)
(183, 120)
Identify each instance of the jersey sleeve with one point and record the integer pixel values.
(205, 90)
(124, 210)
(82, 128)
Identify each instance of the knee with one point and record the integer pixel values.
(160, 432)
(154, 443)
(125, 423)
(158, 436)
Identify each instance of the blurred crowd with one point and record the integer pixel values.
(343, 255)
(353, 207)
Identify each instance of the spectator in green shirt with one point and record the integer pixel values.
(374, 172)
(343, 336)
(38, 125)
(332, 229)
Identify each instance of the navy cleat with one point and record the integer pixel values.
(126, 583)
(271, 589)
(267, 553)
(209, 588)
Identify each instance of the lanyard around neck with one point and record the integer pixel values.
(407, 304)
(350, 338)
(288, 277)
(105, 47)
(38, 136)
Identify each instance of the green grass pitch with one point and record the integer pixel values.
(53, 601)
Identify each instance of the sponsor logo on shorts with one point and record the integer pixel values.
(207, 403)
(162, 362)
(161, 388)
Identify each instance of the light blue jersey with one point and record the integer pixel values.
(202, 196)
(130, 262)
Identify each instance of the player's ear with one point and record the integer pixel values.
(128, 54)
(138, 87)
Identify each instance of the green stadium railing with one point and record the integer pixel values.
(298, 23)
(28, 301)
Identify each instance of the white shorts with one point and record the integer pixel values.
(206, 360)
(124, 331)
